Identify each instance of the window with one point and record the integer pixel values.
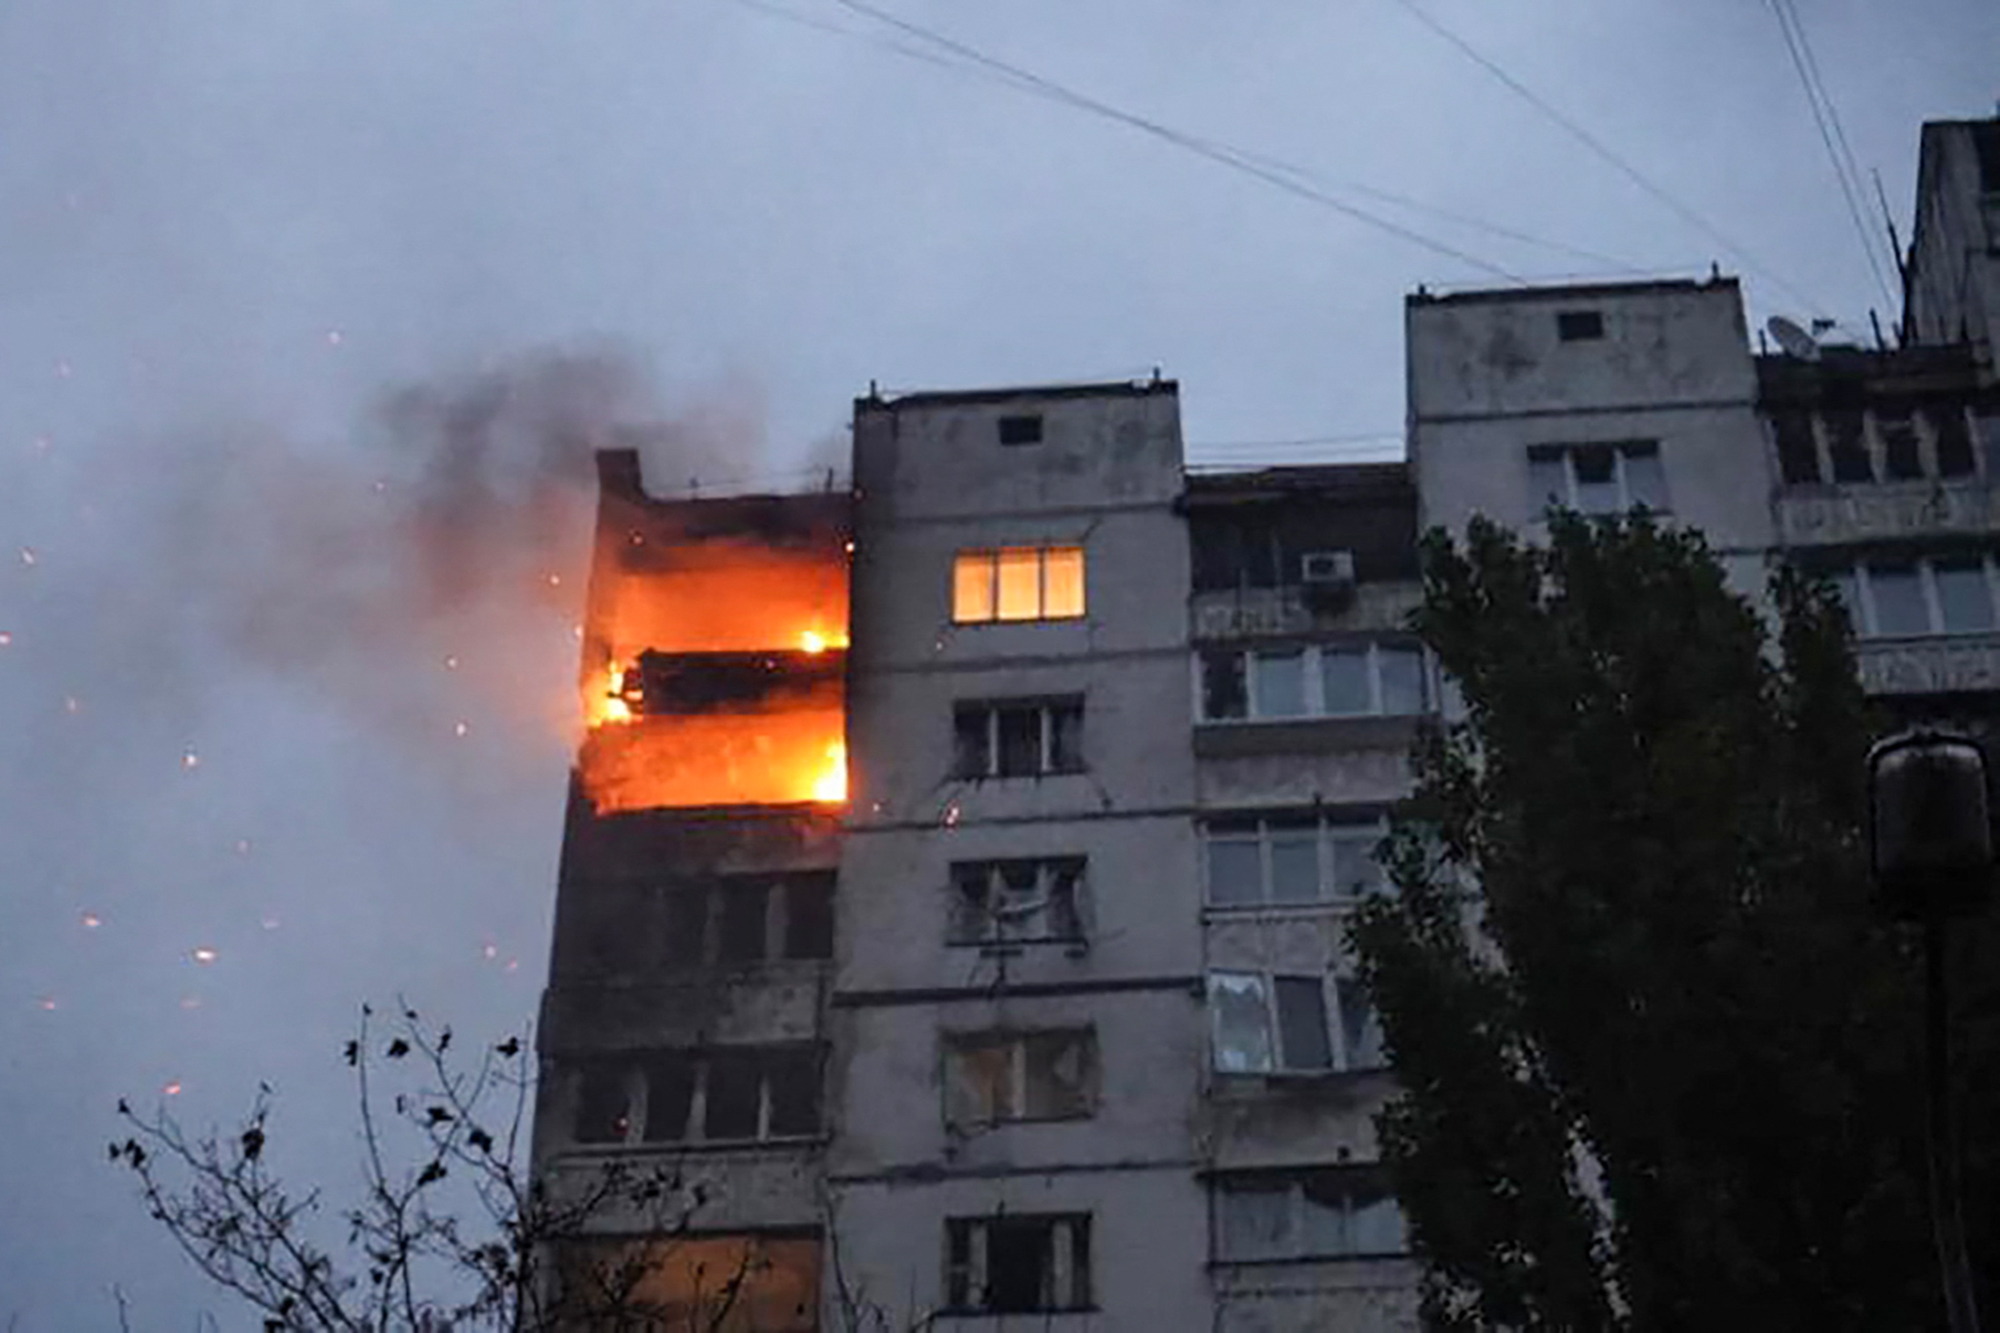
(1016, 901)
(1264, 1024)
(993, 1077)
(1017, 583)
(1936, 595)
(754, 918)
(1579, 325)
(1017, 738)
(1023, 1263)
(1611, 478)
(1286, 859)
(1910, 444)
(1328, 680)
(1330, 1213)
(724, 1094)
(1024, 429)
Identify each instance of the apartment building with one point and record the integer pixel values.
(955, 876)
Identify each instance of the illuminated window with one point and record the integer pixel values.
(1017, 583)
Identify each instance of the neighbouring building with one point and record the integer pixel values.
(955, 875)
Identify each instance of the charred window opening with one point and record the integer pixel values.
(727, 1094)
(994, 1077)
(1902, 460)
(685, 683)
(1022, 901)
(1225, 687)
(738, 920)
(1954, 441)
(1021, 429)
(1018, 1263)
(603, 1104)
(1017, 738)
(1847, 446)
(746, 1282)
(1579, 325)
(1798, 450)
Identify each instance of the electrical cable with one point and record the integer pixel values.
(1210, 149)
(1828, 122)
(1604, 151)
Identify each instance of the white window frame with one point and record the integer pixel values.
(1332, 829)
(1045, 710)
(1564, 452)
(1312, 663)
(1863, 611)
(1362, 1179)
(1045, 909)
(991, 557)
(1331, 987)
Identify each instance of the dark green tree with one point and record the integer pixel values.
(1661, 1058)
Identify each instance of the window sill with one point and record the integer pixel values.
(995, 621)
(1289, 911)
(989, 1126)
(1373, 1256)
(1268, 735)
(1263, 1080)
(609, 1151)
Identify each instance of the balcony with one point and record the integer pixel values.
(1958, 665)
(1848, 515)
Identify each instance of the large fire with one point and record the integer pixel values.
(718, 677)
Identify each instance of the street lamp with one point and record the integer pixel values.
(1930, 846)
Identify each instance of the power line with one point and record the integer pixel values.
(1210, 149)
(1827, 119)
(1604, 151)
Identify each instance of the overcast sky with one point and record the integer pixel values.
(231, 230)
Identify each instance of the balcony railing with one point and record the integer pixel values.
(1830, 515)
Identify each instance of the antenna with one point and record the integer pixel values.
(1795, 340)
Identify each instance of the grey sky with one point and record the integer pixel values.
(228, 227)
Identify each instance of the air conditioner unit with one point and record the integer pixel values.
(1327, 577)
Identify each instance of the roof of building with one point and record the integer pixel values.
(876, 401)
(1568, 291)
(1357, 482)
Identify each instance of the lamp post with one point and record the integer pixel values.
(1931, 849)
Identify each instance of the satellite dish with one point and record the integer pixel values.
(1795, 340)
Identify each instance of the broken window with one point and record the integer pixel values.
(1847, 446)
(1017, 1263)
(603, 1103)
(1017, 738)
(1017, 583)
(686, 927)
(670, 1080)
(793, 1078)
(993, 1077)
(1341, 1212)
(1597, 478)
(734, 1089)
(1016, 901)
(1284, 859)
(1798, 449)
(1024, 429)
(809, 916)
(1952, 439)
(1579, 325)
(1901, 459)
(741, 935)
(1276, 1024)
(1225, 689)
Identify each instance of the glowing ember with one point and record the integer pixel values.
(243, 846)
(48, 1002)
(189, 759)
(555, 580)
(270, 923)
(91, 921)
(451, 663)
(831, 784)
(6, 639)
(172, 1089)
(333, 337)
(204, 954)
(490, 952)
(513, 964)
(70, 704)
(813, 641)
(459, 729)
(190, 1002)
(28, 556)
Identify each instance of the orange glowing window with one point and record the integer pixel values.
(1017, 583)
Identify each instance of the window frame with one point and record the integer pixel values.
(1313, 665)
(1047, 707)
(1332, 828)
(1915, 422)
(967, 1290)
(1054, 876)
(1857, 591)
(780, 890)
(994, 558)
(1356, 1185)
(1333, 989)
(1622, 451)
(1017, 1043)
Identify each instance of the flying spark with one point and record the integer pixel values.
(459, 729)
(6, 639)
(333, 337)
(204, 954)
(491, 952)
(190, 760)
(513, 964)
(555, 580)
(191, 1002)
(91, 921)
(48, 1002)
(243, 846)
(951, 816)
(172, 1089)
(270, 923)
(28, 557)
(70, 704)
(451, 664)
